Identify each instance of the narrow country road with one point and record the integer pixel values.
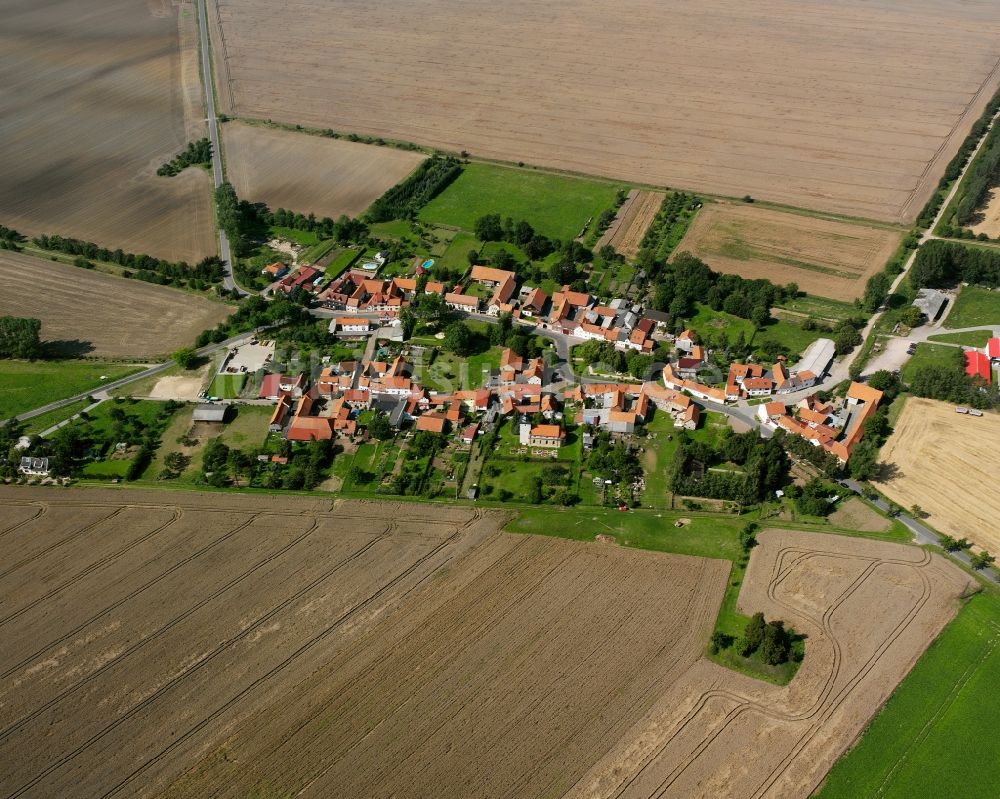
(921, 533)
(225, 252)
(115, 384)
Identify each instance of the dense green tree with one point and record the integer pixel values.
(19, 337)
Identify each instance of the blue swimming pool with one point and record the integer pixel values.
(428, 263)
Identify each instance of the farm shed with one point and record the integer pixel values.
(817, 357)
(207, 412)
(930, 302)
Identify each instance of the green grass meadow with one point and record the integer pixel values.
(936, 735)
(975, 306)
(25, 385)
(929, 355)
(557, 206)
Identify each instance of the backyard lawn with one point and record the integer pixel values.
(25, 385)
(557, 206)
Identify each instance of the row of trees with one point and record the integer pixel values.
(945, 263)
(153, 270)
(763, 468)
(10, 239)
(405, 199)
(979, 179)
(197, 152)
(20, 337)
(957, 164)
(687, 281)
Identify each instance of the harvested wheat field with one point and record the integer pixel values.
(824, 257)
(947, 463)
(869, 610)
(198, 644)
(854, 514)
(96, 96)
(635, 216)
(310, 174)
(85, 312)
(850, 106)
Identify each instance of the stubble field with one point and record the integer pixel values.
(849, 107)
(85, 312)
(310, 174)
(869, 610)
(947, 463)
(202, 645)
(96, 96)
(824, 257)
(385, 649)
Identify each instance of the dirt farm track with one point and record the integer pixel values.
(848, 106)
(197, 645)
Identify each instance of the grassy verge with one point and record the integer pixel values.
(970, 338)
(935, 736)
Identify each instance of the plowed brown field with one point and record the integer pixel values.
(150, 639)
(96, 95)
(824, 257)
(91, 313)
(948, 464)
(310, 174)
(850, 106)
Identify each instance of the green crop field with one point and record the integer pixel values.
(935, 737)
(975, 306)
(556, 205)
(25, 385)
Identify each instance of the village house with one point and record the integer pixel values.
(546, 436)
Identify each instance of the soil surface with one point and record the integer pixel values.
(85, 312)
(96, 96)
(822, 256)
(311, 174)
(202, 644)
(850, 106)
(869, 610)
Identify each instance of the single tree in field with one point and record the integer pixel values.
(917, 511)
